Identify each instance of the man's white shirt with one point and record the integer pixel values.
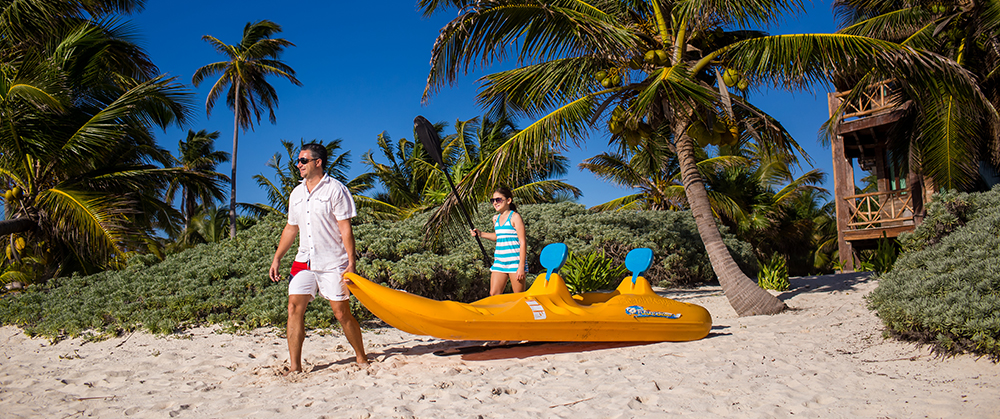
(316, 214)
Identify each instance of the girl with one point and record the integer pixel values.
(511, 252)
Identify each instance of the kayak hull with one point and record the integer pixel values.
(545, 312)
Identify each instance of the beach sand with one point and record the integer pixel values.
(824, 358)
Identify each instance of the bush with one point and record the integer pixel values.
(394, 253)
(679, 255)
(223, 282)
(774, 274)
(227, 283)
(944, 288)
(594, 271)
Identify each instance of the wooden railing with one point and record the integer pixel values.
(881, 97)
(879, 209)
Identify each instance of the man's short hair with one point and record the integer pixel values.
(318, 152)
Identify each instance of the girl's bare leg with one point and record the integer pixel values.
(517, 286)
(498, 281)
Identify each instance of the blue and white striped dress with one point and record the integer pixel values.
(507, 256)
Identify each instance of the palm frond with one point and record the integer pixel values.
(633, 202)
(531, 30)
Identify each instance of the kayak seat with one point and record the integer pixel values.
(638, 262)
(549, 288)
(553, 257)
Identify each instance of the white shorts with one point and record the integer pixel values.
(330, 284)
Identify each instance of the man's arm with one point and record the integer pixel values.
(287, 238)
(347, 236)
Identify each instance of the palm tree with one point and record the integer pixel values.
(413, 183)
(244, 74)
(751, 192)
(208, 225)
(77, 153)
(764, 198)
(816, 207)
(943, 134)
(663, 63)
(469, 153)
(198, 155)
(650, 168)
(407, 179)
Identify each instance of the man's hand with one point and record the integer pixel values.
(274, 272)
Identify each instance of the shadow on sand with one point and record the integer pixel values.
(471, 350)
(824, 283)
(532, 349)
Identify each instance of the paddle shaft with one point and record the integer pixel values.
(432, 143)
(461, 206)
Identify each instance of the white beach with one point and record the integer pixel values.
(825, 357)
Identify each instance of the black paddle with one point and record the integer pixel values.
(432, 143)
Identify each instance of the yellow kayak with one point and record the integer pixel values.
(545, 312)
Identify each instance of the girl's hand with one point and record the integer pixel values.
(475, 232)
(520, 275)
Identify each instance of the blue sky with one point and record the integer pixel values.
(363, 66)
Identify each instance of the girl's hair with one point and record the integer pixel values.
(503, 190)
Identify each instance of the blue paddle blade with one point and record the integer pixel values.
(638, 261)
(553, 257)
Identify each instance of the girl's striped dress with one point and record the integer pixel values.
(507, 256)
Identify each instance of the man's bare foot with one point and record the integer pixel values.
(362, 361)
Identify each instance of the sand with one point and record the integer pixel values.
(825, 358)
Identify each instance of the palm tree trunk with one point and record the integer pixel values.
(744, 295)
(238, 110)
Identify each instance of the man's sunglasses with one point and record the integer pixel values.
(303, 160)
(495, 200)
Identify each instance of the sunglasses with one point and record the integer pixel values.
(303, 160)
(495, 200)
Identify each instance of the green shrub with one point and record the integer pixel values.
(679, 255)
(226, 283)
(774, 274)
(221, 283)
(394, 253)
(592, 272)
(944, 288)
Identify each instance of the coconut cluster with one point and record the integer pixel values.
(714, 131)
(733, 78)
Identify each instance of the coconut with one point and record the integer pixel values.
(730, 77)
(650, 56)
(661, 57)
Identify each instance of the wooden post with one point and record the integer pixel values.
(915, 182)
(843, 186)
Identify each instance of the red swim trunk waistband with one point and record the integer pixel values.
(299, 266)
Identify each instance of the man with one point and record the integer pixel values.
(321, 209)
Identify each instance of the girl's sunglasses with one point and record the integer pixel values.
(495, 200)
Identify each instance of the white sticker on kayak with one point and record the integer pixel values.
(536, 309)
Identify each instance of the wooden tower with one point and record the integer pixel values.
(862, 136)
